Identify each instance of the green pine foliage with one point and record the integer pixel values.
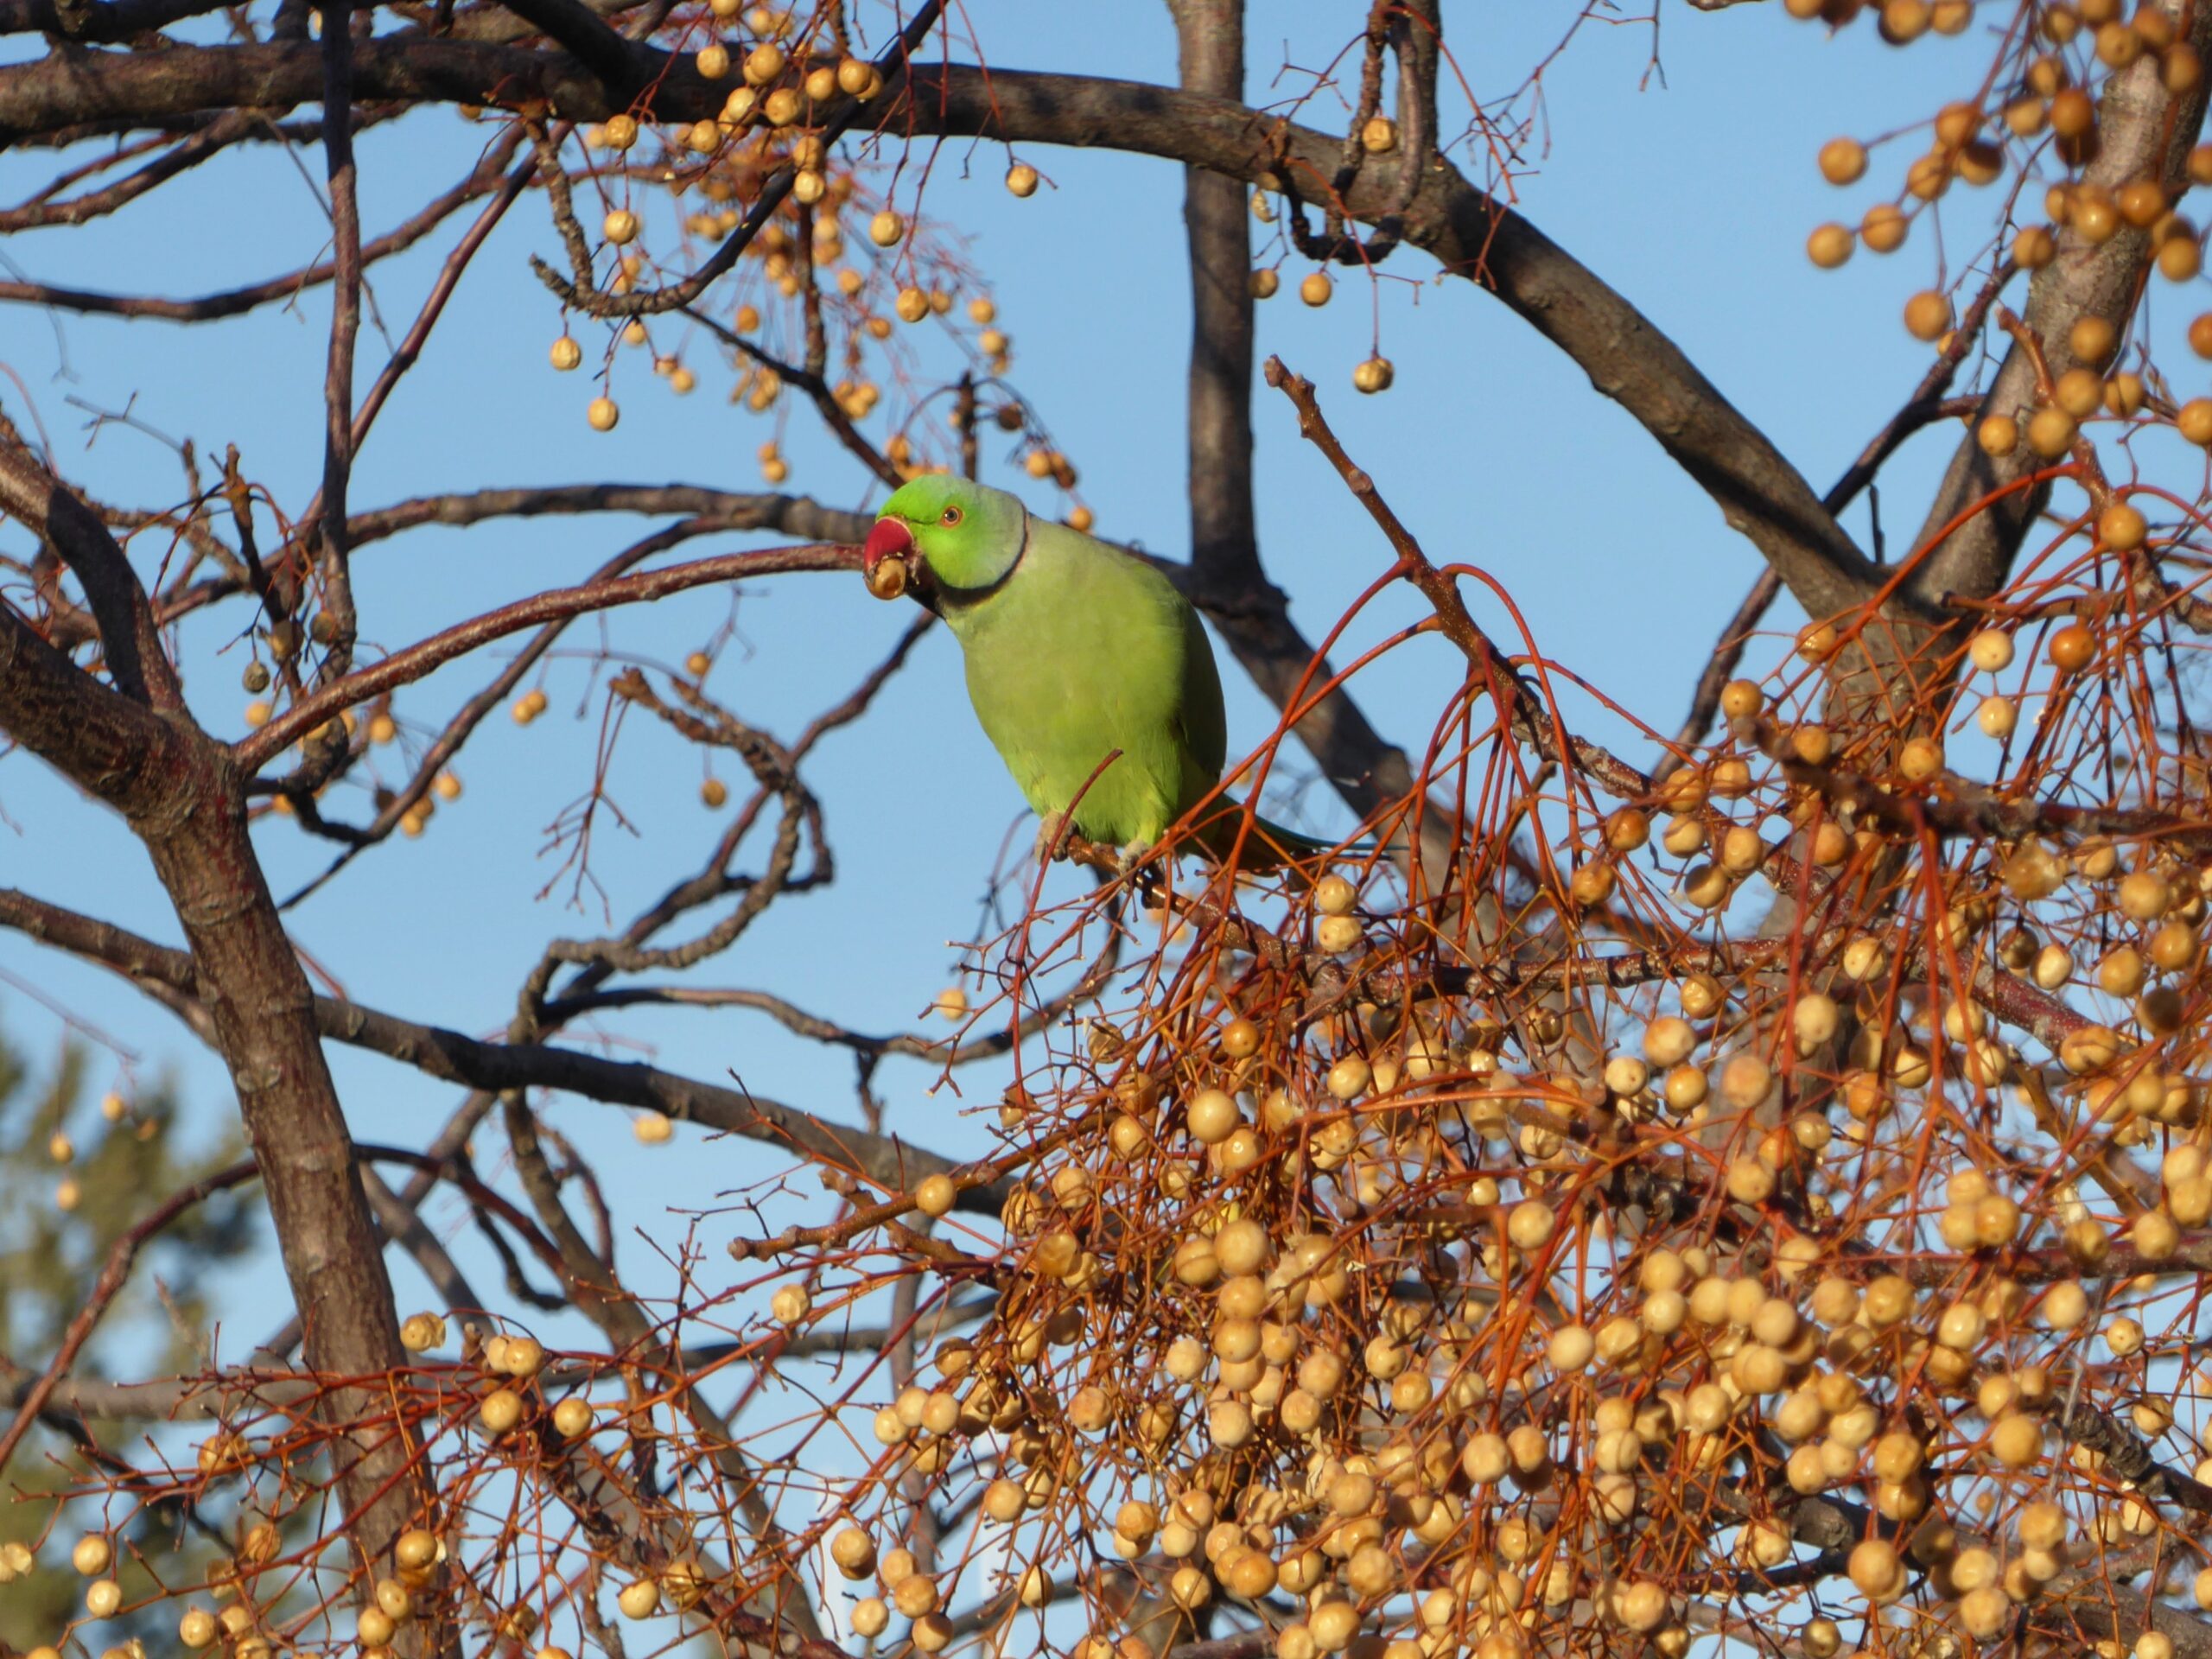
(124, 1161)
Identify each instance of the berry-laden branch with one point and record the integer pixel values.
(2141, 137)
(890, 70)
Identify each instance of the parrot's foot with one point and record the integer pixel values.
(1131, 854)
(1049, 834)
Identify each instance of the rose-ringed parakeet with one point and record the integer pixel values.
(1074, 650)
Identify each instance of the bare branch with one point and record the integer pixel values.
(890, 1164)
(413, 663)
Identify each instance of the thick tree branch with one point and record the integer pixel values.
(587, 37)
(1474, 236)
(243, 970)
(1224, 546)
(130, 641)
(101, 742)
(98, 22)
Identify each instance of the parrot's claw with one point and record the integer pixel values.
(1132, 854)
(1050, 834)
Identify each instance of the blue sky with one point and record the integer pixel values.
(1692, 192)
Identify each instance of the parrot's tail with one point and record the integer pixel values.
(1267, 846)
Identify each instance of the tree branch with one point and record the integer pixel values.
(890, 1164)
(130, 641)
(1224, 544)
(2144, 131)
(418, 659)
(482, 179)
(1474, 236)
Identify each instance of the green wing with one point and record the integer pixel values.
(1083, 651)
(1201, 724)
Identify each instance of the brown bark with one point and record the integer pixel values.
(185, 799)
(1224, 548)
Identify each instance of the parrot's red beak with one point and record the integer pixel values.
(890, 537)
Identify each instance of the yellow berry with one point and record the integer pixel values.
(1829, 245)
(2073, 647)
(1843, 161)
(1317, 288)
(602, 414)
(1021, 179)
(791, 1305)
(2079, 392)
(2050, 433)
(764, 63)
(1927, 314)
(2121, 527)
(2181, 257)
(2091, 340)
(1883, 229)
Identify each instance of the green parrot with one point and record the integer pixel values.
(1073, 650)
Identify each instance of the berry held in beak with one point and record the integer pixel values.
(887, 556)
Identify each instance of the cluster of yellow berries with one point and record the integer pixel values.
(783, 85)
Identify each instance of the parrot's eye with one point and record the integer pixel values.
(952, 516)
